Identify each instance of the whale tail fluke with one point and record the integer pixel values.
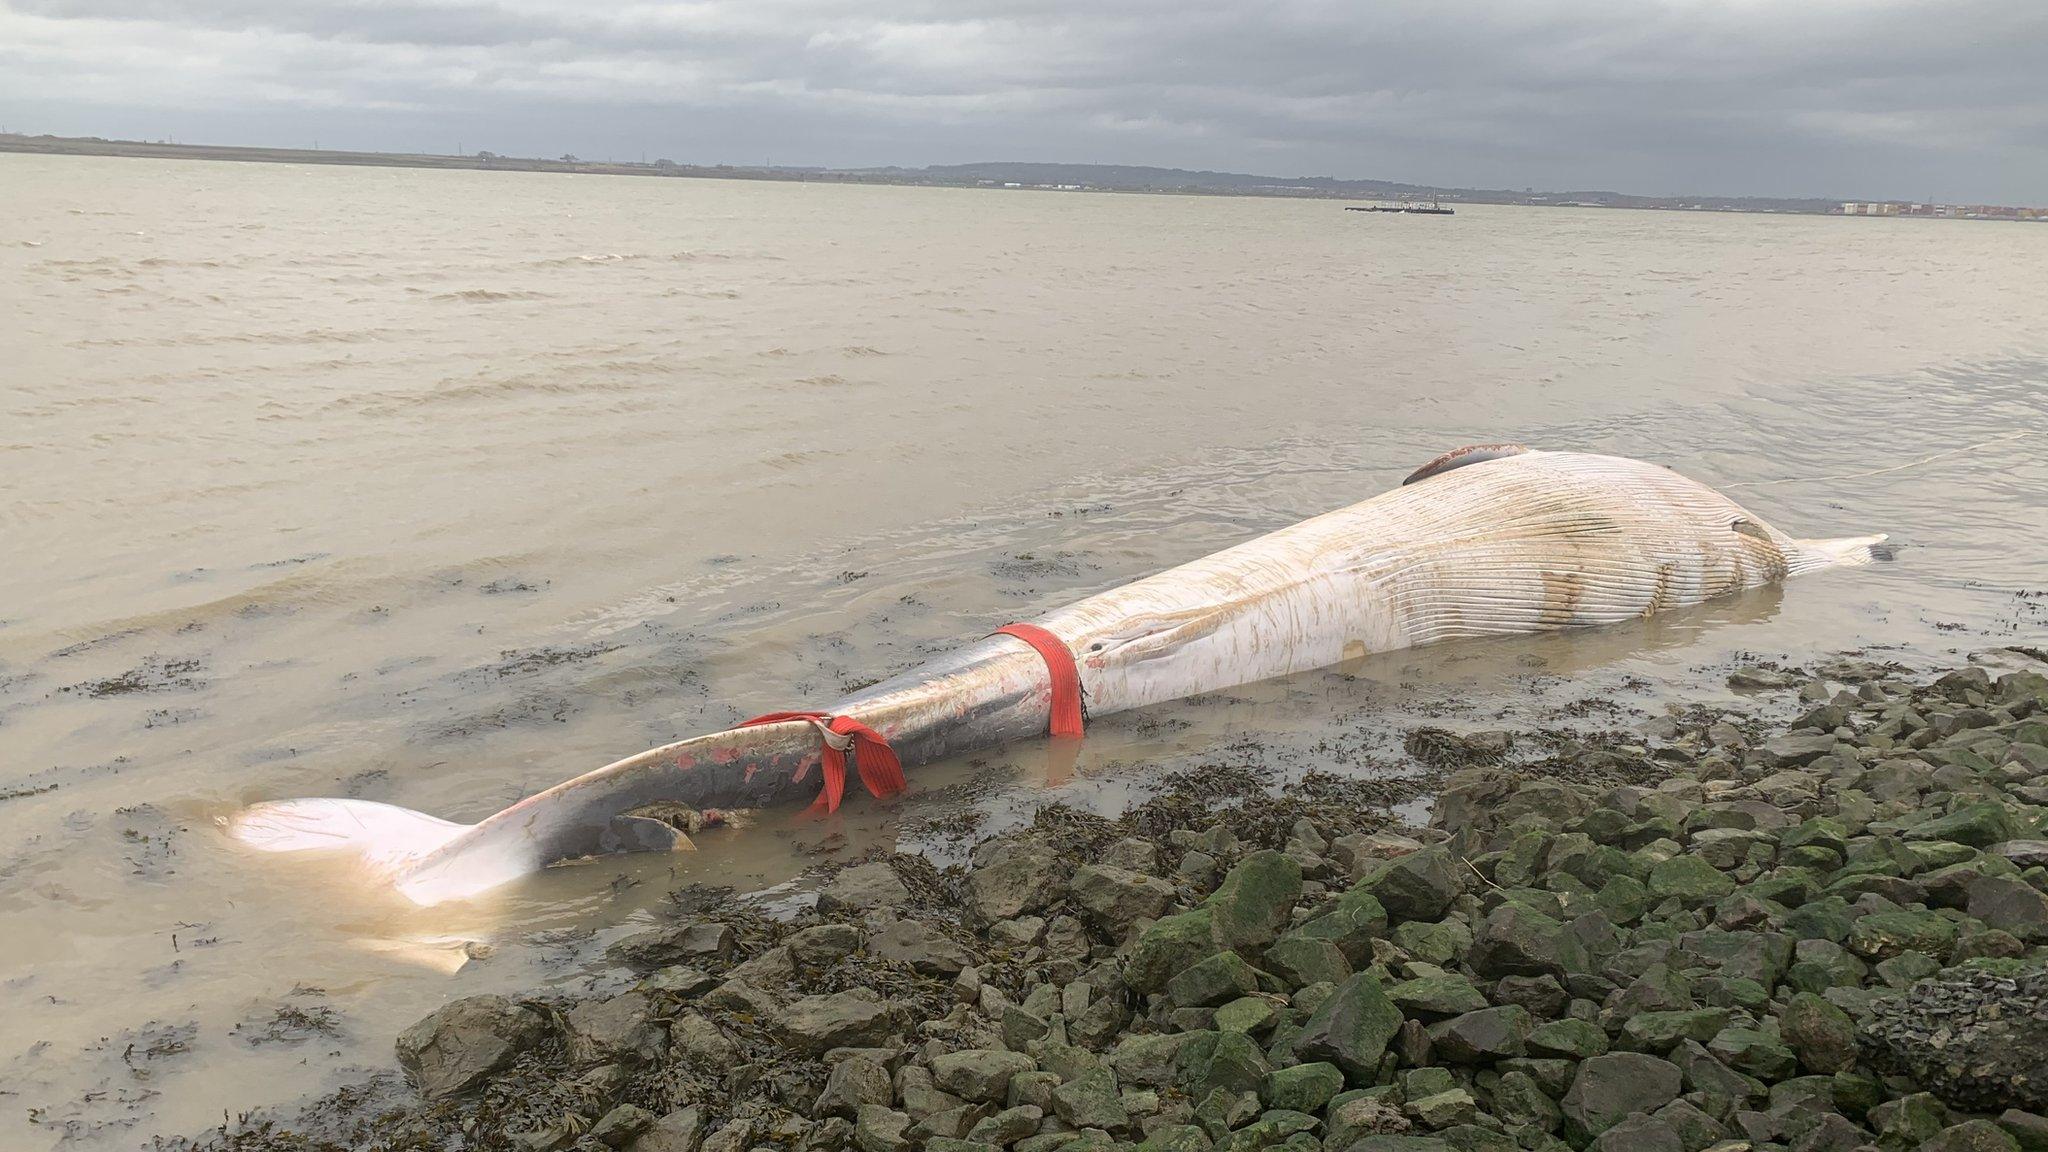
(1840, 552)
(385, 836)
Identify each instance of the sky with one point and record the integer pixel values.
(1850, 99)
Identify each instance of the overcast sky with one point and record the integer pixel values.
(1843, 98)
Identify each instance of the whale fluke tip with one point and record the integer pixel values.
(382, 834)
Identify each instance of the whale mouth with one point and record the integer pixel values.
(1150, 638)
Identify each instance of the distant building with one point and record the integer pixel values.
(1944, 211)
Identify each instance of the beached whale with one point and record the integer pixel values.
(1490, 540)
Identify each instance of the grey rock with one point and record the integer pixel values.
(624, 1030)
(1231, 1062)
(1147, 1059)
(1830, 1133)
(733, 1136)
(1444, 1109)
(2022, 853)
(863, 887)
(1008, 1126)
(1796, 749)
(1519, 1101)
(679, 980)
(458, 1045)
(2028, 1128)
(1515, 941)
(1821, 1034)
(1091, 1101)
(880, 1129)
(1543, 996)
(680, 1131)
(832, 1134)
(1305, 960)
(1014, 877)
(979, 1074)
(1133, 854)
(854, 1019)
(1482, 1037)
(1696, 1129)
(620, 1125)
(771, 969)
(952, 1124)
(1020, 1026)
(2011, 905)
(1100, 1024)
(822, 945)
(919, 1096)
(742, 997)
(697, 1040)
(926, 952)
(1032, 1088)
(1418, 886)
(1755, 1052)
(1759, 956)
(677, 944)
(1020, 932)
(1115, 898)
(853, 1083)
(1972, 1136)
(1212, 981)
(1638, 1133)
(1255, 901)
(1608, 1088)
(1351, 1029)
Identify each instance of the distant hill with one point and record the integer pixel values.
(1091, 177)
(1135, 178)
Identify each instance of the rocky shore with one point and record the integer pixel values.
(1821, 936)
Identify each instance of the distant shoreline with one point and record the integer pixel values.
(1028, 176)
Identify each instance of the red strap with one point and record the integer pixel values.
(876, 762)
(1066, 678)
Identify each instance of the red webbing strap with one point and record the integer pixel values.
(876, 762)
(1066, 677)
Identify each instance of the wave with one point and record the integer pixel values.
(490, 295)
(588, 258)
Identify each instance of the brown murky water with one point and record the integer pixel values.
(437, 488)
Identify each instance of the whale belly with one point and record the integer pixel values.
(1528, 543)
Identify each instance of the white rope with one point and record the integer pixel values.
(1884, 471)
(832, 739)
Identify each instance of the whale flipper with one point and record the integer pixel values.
(1839, 552)
(644, 834)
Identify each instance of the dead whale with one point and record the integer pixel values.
(1489, 540)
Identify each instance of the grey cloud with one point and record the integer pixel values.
(1820, 97)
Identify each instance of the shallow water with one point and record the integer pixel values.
(440, 487)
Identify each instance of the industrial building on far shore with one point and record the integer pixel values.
(1949, 211)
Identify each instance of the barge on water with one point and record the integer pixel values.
(1414, 209)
